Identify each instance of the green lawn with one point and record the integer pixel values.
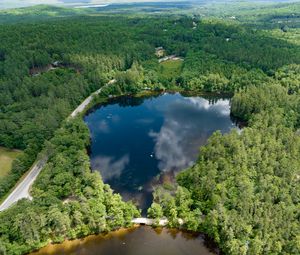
(171, 68)
(6, 158)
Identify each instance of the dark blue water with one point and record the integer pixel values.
(133, 140)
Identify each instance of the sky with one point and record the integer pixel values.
(5, 4)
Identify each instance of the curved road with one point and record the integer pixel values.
(22, 189)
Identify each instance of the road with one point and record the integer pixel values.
(23, 188)
(86, 102)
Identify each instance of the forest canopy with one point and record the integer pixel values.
(243, 191)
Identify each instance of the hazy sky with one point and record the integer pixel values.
(21, 3)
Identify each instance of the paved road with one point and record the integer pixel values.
(22, 189)
(85, 103)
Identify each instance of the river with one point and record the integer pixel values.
(134, 241)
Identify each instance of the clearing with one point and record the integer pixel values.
(171, 68)
(6, 158)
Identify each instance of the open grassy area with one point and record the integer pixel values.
(291, 36)
(171, 68)
(6, 158)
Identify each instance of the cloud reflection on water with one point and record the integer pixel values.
(103, 127)
(221, 106)
(183, 131)
(113, 167)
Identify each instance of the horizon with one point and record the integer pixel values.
(10, 4)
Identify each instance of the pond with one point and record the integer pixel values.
(134, 241)
(139, 142)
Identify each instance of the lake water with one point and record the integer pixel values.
(134, 140)
(135, 241)
(137, 143)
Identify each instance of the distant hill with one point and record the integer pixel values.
(40, 12)
(271, 13)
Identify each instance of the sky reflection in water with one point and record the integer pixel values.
(134, 139)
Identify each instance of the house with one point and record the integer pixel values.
(159, 52)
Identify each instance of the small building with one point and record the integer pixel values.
(56, 64)
(170, 57)
(159, 52)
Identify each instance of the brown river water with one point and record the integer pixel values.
(135, 241)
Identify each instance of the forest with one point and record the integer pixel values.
(244, 189)
(69, 200)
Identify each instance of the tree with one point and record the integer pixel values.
(155, 211)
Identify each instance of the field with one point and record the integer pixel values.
(6, 158)
(170, 68)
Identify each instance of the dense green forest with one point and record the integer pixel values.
(69, 200)
(244, 189)
(93, 50)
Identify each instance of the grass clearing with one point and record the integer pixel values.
(171, 68)
(6, 158)
(291, 36)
